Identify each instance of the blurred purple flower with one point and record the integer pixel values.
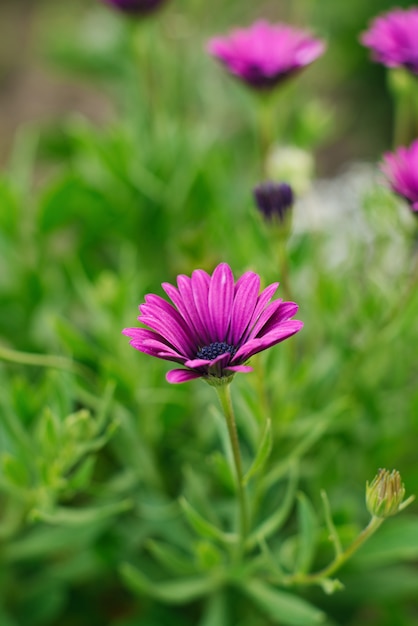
(393, 39)
(215, 325)
(274, 200)
(135, 7)
(401, 170)
(264, 54)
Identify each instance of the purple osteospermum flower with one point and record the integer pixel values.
(274, 200)
(135, 7)
(401, 170)
(265, 54)
(215, 325)
(393, 39)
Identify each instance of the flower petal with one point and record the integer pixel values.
(285, 311)
(246, 293)
(262, 300)
(184, 284)
(285, 330)
(220, 298)
(181, 376)
(239, 368)
(200, 282)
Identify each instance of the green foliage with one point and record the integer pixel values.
(117, 490)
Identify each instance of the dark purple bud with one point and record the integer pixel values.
(274, 200)
(135, 7)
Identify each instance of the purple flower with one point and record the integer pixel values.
(274, 200)
(135, 7)
(393, 39)
(401, 170)
(264, 54)
(215, 325)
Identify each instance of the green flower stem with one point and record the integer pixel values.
(339, 560)
(266, 130)
(283, 263)
(224, 395)
(403, 85)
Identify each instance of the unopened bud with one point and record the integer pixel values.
(385, 494)
(274, 200)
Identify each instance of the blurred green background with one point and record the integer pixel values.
(129, 157)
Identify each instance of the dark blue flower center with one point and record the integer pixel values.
(215, 349)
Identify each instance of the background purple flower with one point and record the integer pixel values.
(265, 54)
(274, 200)
(135, 7)
(215, 325)
(401, 170)
(393, 39)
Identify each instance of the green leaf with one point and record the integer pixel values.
(15, 472)
(76, 517)
(202, 526)
(223, 471)
(171, 558)
(171, 592)
(272, 524)
(48, 432)
(283, 607)
(263, 453)
(216, 612)
(307, 534)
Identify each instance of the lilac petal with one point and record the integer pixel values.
(161, 316)
(162, 351)
(221, 359)
(184, 284)
(186, 311)
(262, 301)
(246, 292)
(284, 312)
(265, 316)
(239, 368)
(285, 330)
(140, 337)
(181, 376)
(220, 298)
(200, 288)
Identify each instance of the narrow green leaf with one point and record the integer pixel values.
(283, 607)
(76, 517)
(202, 526)
(172, 592)
(171, 558)
(14, 471)
(307, 534)
(333, 534)
(216, 612)
(48, 432)
(274, 522)
(263, 453)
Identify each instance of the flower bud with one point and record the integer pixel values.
(274, 200)
(385, 494)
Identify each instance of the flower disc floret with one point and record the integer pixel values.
(401, 170)
(264, 54)
(214, 325)
(392, 38)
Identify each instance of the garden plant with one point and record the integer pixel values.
(208, 321)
